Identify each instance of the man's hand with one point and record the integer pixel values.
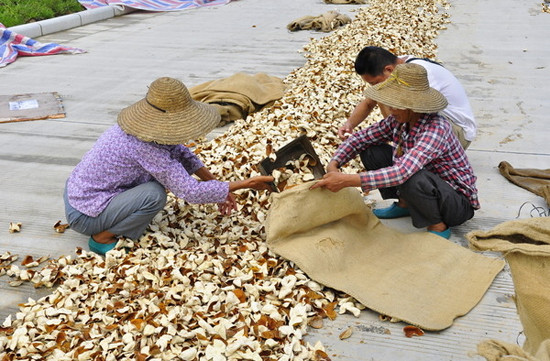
(334, 181)
(345, 131)
(360, 113)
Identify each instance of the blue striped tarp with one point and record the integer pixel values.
(153, 5)
(13, 45)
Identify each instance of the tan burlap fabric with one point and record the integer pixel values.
(525, 244)
(325, 22)
(239, 95)
(494, 350)
(419, 278)
(534, 180)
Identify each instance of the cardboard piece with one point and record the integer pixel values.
(34, 106)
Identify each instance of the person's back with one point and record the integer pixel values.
(375, 64)
(459, 110)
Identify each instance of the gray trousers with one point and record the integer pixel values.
(127, 214)
(429, 198)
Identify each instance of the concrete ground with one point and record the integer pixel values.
(500, 50)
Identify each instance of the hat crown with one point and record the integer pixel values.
(411, 76)
(408, 87)
(168, 95)
(168, 114)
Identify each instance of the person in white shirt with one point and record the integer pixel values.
(375, 64)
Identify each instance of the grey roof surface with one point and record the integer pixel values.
(500, 50)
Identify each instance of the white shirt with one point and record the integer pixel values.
(458, 110)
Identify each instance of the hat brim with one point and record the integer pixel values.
(423, 101)
(151, 124)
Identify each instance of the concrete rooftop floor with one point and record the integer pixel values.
(500, 50)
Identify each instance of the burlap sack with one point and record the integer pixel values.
(419, 277)
(494, 350)
(240, 94)
(534, 180)
(325, 22)
(525, 244)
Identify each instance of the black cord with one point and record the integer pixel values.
(520, 333)
(541, 211)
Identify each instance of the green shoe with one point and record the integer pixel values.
(393, 211)
(445, 234)
(100, 248)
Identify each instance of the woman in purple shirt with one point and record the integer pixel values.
(412, 155)
(120, 184)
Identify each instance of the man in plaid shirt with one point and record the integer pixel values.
(412, 155)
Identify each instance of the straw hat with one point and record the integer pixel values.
(168, 115)
(408, 88)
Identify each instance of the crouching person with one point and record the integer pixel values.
(412, 156)
(121, 183)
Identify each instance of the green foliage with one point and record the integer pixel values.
(17, 12)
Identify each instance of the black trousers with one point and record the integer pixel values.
(430, 199)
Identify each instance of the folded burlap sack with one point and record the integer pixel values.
(417, 277)
(525, 245)
(239, 95)
(534, 180)
(325, 22)
(494, 350)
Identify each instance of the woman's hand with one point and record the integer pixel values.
(228, 206)
(334, 181)
(260, 182)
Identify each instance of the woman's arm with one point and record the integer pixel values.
(230, 204)
(259, 182)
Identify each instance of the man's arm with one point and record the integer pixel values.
(333, 166)
(334, 181)
(360, 113)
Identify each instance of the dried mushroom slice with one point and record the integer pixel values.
(15, 227)
(411, 331)
(60, 227)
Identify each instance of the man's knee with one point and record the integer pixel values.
(377, 156)
(420, 183)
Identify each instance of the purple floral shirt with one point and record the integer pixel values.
(119, 161)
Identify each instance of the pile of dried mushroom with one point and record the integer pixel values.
(203, 286)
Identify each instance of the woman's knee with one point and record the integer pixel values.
(155, 196)
(82, 225)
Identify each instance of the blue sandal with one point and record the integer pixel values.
(445, 234)
(100, 248)
(393, 211)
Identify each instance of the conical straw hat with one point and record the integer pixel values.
(408, 88)
(168, 115)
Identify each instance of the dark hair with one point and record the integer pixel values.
(372, 60)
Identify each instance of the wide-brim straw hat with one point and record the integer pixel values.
(408, 88)
(168, 115)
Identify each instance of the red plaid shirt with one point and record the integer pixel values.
(429, 145)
